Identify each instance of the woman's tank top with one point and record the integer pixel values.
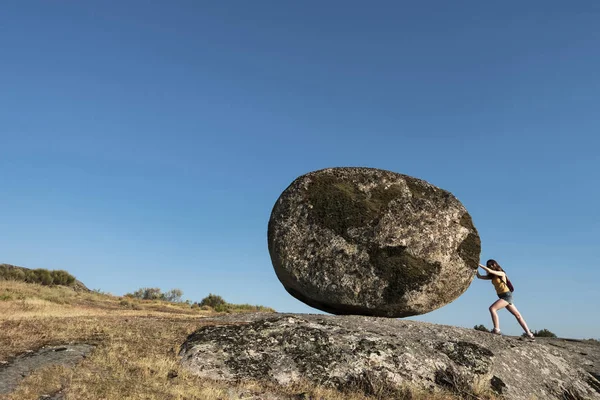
(500, 285)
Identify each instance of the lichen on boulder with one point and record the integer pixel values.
(342, 351)
(371, 242)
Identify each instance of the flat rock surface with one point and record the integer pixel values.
(338, 351)
(12, 373)
(366, 241)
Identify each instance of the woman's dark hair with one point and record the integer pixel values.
(493, 264)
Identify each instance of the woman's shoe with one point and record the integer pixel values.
(496, 331)
(530, 336)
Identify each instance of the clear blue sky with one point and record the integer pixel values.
(143, 144)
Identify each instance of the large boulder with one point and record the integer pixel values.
(362, 353)
(371, 242)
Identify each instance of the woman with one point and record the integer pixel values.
(496, 274)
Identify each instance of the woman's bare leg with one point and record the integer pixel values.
(498, 305)
(513, 310)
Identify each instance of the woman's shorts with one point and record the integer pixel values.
(507, 296)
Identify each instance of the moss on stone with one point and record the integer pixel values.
(420, 190)
(336, 205)
(404, 271)
(340, 205)
(470, 248)
(381, 196)
(311, 349)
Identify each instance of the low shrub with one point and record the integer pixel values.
(40, 276)
(11, 273)
(542, 333)
(129, 304)
(223, 308)
(43, 276)
(61, 277)
(218, 304)
(250, 307)
(172, 296)
(212, 300)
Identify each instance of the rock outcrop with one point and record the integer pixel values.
(347, 351)
(371, 242)
(22, 366)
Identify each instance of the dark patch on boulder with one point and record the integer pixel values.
(497, 385)
(471, 246)
(422, 192)
(372, 384)
(471, 355)
(453, 380)
(403, 271)
(339, 205)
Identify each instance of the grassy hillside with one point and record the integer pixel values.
(137, 342)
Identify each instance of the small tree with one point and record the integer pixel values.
(481, 328)
(147, 294)
(214, 301)
(173, 295)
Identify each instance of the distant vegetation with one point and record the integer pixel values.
(540, 333)
(218, 304)
(172, 296)
(45, 277)
(210, 302)
(543, 333)
(40, 276)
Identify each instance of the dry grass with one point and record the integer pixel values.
(136, 350)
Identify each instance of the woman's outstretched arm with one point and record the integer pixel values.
(491, 271)
(486, 277)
